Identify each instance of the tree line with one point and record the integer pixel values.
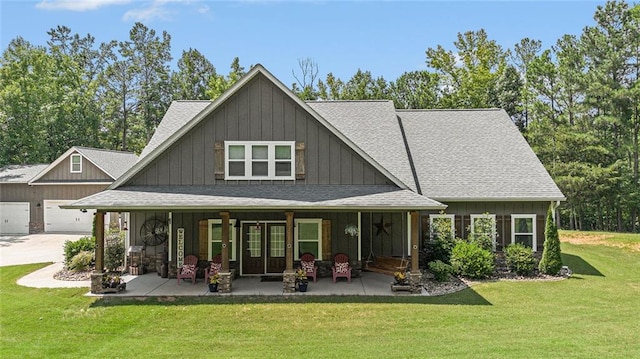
(577, 102)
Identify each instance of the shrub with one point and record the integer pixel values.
(114, 250)
(440, 270)
(520, 259)
(81, 261)
(551, 261)
(471, 260)
(72, 248)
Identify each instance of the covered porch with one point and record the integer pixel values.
(242, 218)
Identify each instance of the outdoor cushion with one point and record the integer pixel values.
(342, 267)
(188, 269)
(308, 266)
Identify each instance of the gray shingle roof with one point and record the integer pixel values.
(20, 173)
(372, 126)
(239, 197)
(113, 163)
(178, 114)
(474, 155)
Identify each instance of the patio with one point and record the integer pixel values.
(151, 285)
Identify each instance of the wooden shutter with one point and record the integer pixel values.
(326, 240)
(300, 170)
(218, 158)
(203, 238)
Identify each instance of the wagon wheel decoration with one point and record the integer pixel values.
(154, 232)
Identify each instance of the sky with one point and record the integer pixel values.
(387, 38)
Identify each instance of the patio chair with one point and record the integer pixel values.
(214, 268)
(308, 264)
(341, 267)
(188, 269)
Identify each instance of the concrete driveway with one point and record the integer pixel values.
(34, 248)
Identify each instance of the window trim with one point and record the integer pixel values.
(513, 229)
(79, 156)
(271, 160)
(495, 226)
(452, 217)
(296, 240)
(232, 239)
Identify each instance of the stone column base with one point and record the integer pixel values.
(289, 281)
(226, 279)
(415, 280)
(96, 283)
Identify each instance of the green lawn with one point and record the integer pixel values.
(595, 314)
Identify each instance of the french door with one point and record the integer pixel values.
(263, 247)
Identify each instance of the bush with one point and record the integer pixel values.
(440, 270)
(471, 260)
(551, 261)
(114, 250)
(72, 248)
(520, 259)
(81, 261)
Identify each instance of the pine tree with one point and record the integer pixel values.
(551, 261)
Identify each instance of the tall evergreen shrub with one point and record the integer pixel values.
(551, 261)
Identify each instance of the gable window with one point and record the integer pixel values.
(259, 160)
(308, 237)
(441, 224)
(76, 163)
(523, 229)
(484, 225)
(215, 238)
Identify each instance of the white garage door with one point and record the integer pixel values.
(14, 218)
(57, 219)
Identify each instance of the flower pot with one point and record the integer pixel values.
(213, 287)
(303, 287)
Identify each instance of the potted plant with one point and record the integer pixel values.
(113, 284)
(213, 282)
(400, 278)
(301, 279)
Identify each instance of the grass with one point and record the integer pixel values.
(594, 314)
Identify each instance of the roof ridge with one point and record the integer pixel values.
(102, 149)
(336, 101)
(448, 109)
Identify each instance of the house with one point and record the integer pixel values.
(261, 177)
(30, 195)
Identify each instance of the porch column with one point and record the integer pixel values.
(289, 242)
(96, 276)
(225, 241)
(415, 276)
(99, 241)
(414, 241)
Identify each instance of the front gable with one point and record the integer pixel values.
(259, 111)
(63, 171)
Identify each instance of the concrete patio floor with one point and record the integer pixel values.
(151, 285)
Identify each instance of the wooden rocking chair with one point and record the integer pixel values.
(188, 269)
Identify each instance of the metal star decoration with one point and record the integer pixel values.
(382, 226)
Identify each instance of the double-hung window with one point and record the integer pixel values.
(215, 238)
(76, 163)
(259, 160)
(523, 229)
(484, 225)
(308, 237)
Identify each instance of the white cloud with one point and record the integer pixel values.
(156, 10)
(78, 5)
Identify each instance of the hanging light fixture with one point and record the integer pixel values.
(124, 226)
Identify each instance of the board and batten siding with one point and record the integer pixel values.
(259, 112)
(62, 172)
(503, 212)
(21, 192)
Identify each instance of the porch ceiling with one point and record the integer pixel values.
(258, 197)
